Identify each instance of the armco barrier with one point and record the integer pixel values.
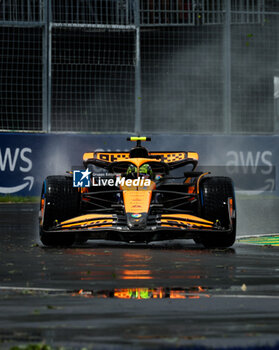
(26, 159)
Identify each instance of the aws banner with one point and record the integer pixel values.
(26, 159)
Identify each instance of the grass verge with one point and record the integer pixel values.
(19, 199)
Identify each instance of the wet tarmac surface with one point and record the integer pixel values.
(107, 295)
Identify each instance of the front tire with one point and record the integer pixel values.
(59, 201)
(215, 192)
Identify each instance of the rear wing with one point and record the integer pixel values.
(110, 157)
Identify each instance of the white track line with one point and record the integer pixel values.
(245, 296)
(258, 235)
(34, 289)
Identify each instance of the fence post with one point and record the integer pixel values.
(227, 69)
(138, 101)
(45, 120)
(49, 64)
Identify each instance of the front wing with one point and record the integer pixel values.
(158, 227)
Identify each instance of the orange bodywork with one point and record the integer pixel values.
(140, 161)
(231, 207)
(184, 219)
(42, 207)
(167, 157)
(137, 201)
(106, 156)
(88, 155)
(104, 220)
(193, 155)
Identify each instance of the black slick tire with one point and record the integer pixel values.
(214, 195)
(59, 201)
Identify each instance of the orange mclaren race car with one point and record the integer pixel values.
(135, 199)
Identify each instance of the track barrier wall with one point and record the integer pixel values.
(26, 159)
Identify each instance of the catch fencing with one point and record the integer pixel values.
(139, 66)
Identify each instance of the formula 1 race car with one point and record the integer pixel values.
(135, 199)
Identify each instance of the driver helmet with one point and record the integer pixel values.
(146, 171)
(132, 171)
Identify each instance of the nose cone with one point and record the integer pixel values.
(136, 221)
(137, 199)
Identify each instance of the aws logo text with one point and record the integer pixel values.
(17, 159)
(9, 159)
(250, 161)
(252, 171)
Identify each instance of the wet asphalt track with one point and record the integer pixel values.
(116, 296)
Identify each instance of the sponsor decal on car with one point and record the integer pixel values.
(136, 216)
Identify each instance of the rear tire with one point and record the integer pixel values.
(214, 195)
(81, 240)
(62, 240)
(59, 201)
(197, 240)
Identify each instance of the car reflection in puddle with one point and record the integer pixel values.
(114, 263)
(196, 292)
